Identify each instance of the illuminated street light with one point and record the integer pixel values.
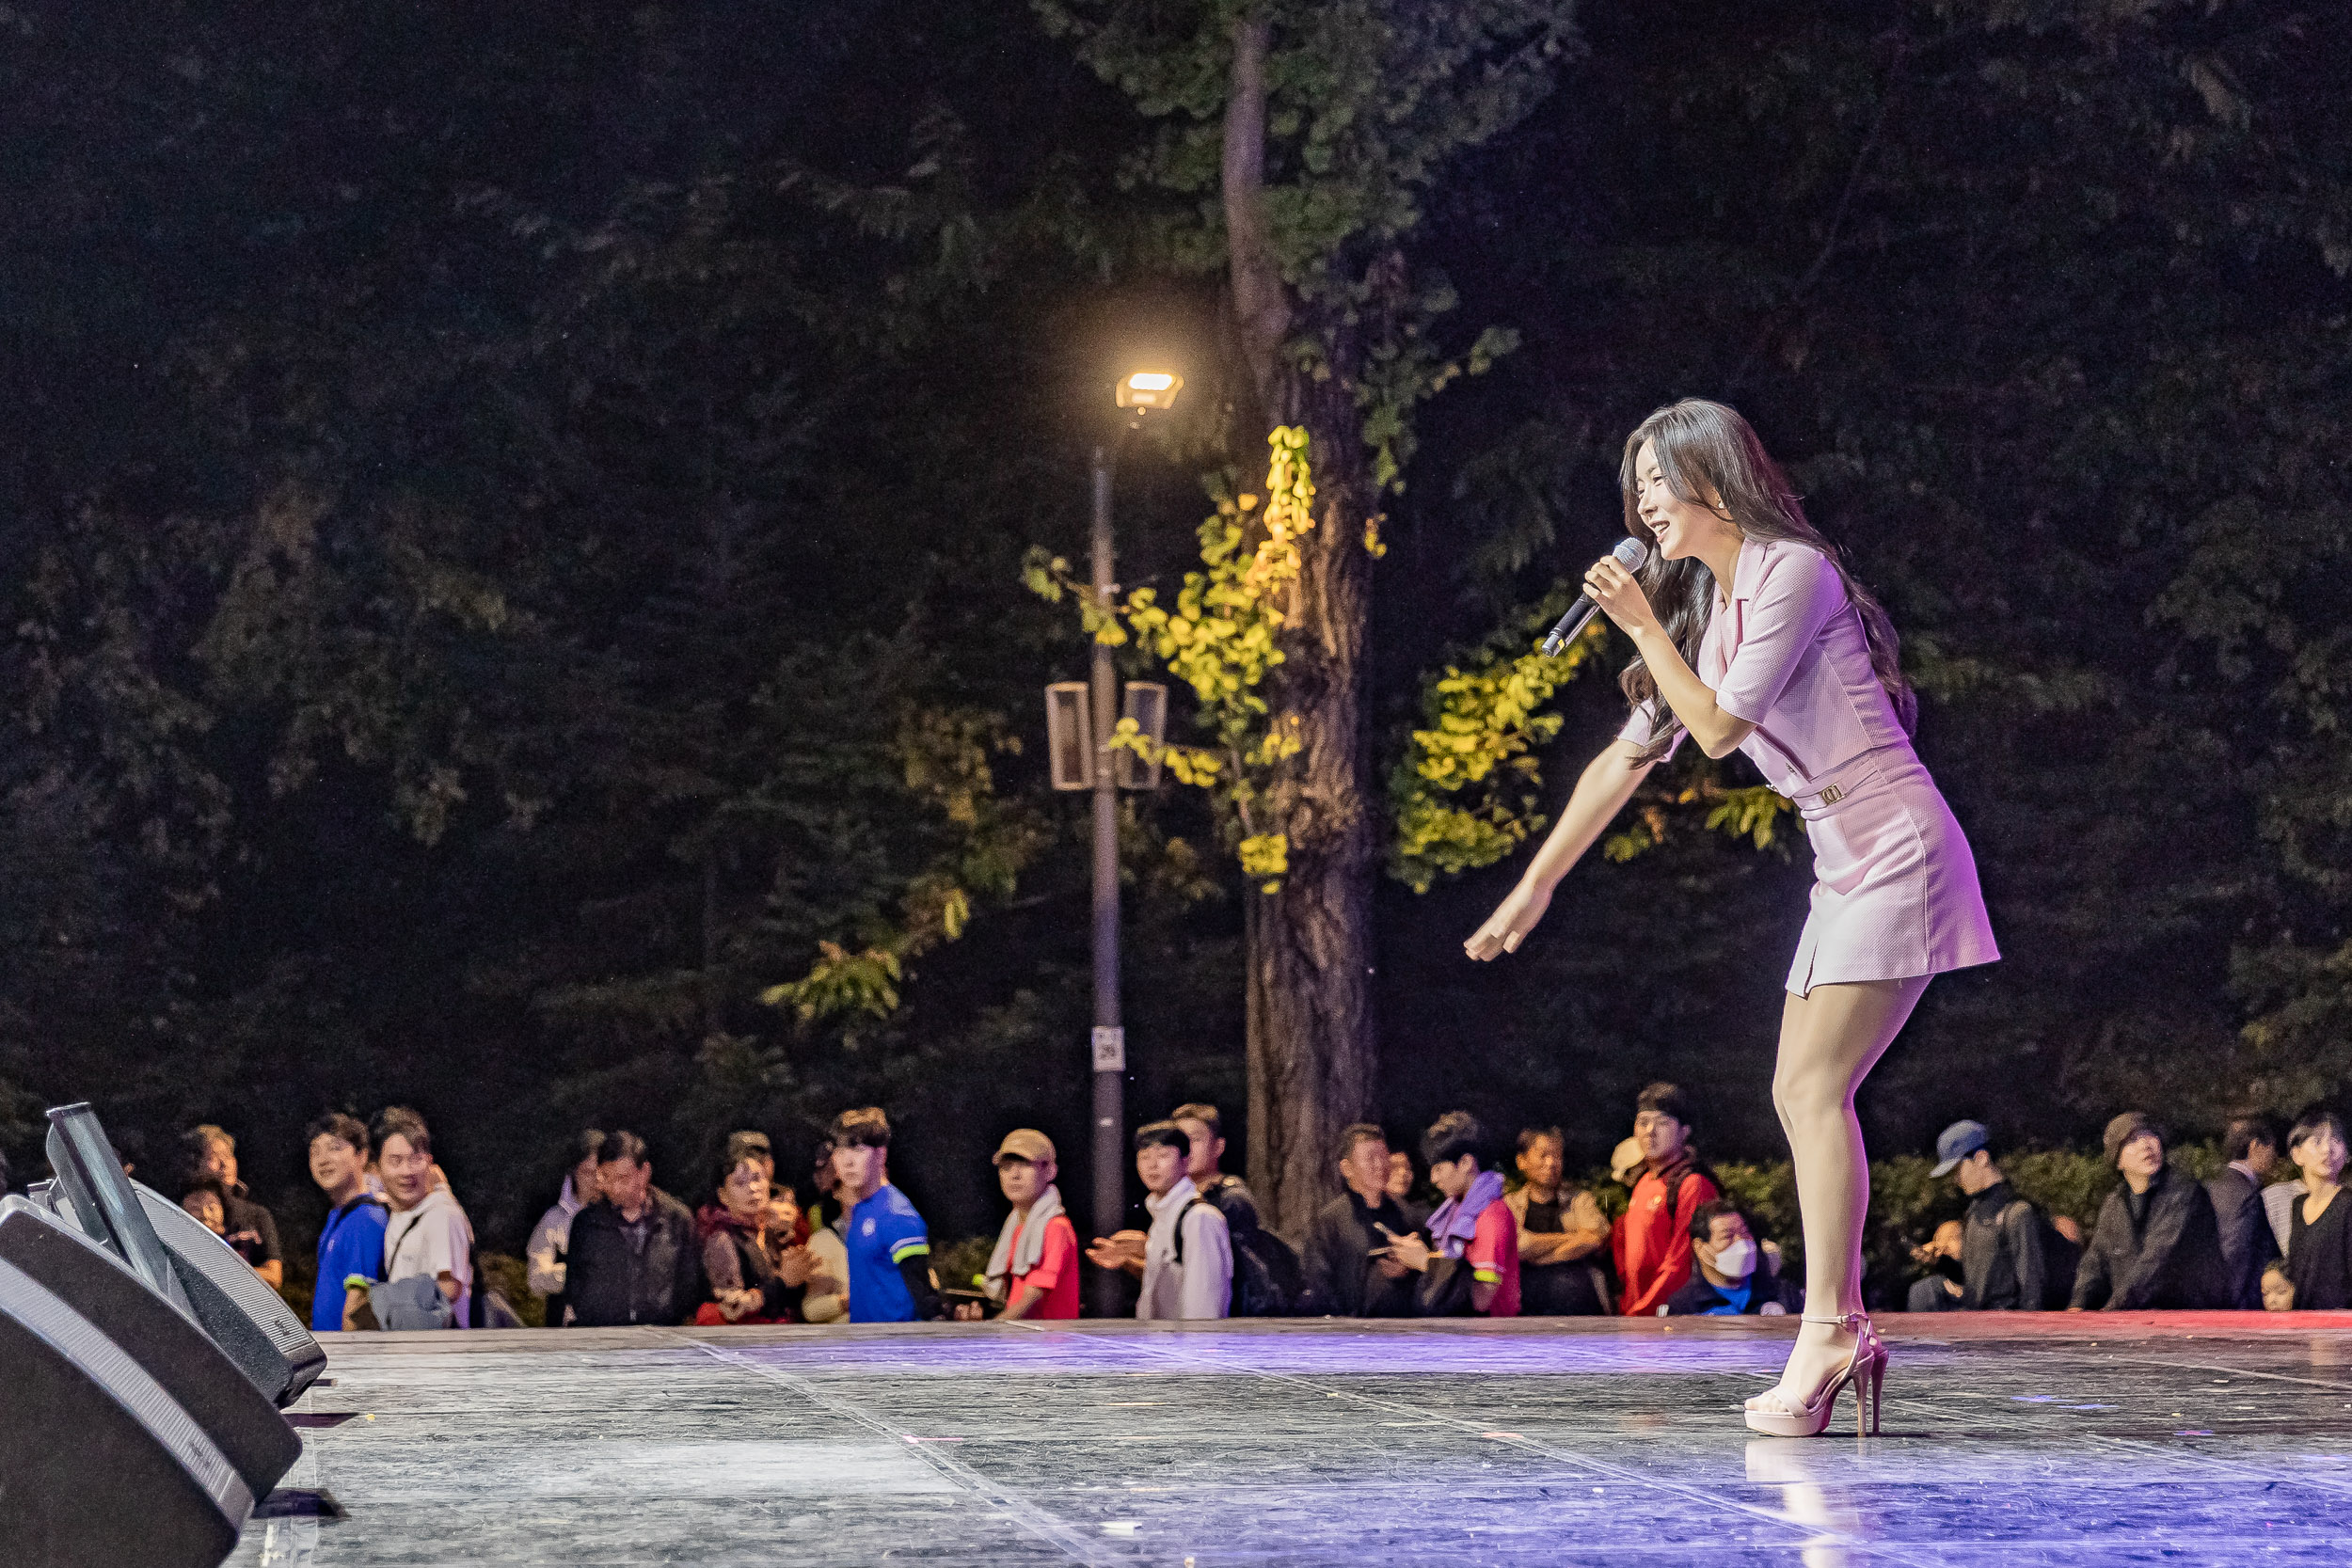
(1150, 389)
(1079, 723)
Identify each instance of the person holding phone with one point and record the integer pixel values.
(1469, 1259)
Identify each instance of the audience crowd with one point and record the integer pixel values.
(397, 1250)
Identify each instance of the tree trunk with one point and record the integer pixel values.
(1310, 1053)
(1312, 1059)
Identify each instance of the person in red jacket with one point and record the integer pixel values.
(1652, 1240)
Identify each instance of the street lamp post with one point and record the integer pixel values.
(1083, 759)
(1110, 1035)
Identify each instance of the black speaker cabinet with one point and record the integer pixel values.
(247, 1428)
(247, 1319)
(99, 1465)
(181, 1261)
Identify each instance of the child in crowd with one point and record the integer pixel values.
(208, 1201)
(203, 1200)
(2277, 1289)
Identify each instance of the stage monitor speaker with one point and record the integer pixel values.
(169, 1348)
(99, 1465)
(186, 1264)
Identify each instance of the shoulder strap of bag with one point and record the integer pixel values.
(1176, 1251)
(393, 1238)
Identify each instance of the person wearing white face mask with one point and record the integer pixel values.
(1734, 1279)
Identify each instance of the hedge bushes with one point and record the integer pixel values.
(1907, 1204)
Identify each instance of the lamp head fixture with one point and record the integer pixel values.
(1143, 389)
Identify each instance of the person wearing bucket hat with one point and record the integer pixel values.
(2012, 1259)
(2157, 1244)
(2127, 1129)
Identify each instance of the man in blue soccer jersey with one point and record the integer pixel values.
(351, 1244)
(890, 1249)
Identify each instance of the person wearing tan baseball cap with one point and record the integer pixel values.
(1034, 1270)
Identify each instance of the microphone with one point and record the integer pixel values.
(1631, 554)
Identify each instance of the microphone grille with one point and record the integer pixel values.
(1634, 553)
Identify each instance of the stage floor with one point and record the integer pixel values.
(2009, 1440)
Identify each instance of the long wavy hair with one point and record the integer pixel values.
(1705, 447)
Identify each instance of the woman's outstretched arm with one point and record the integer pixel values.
(1601, 791)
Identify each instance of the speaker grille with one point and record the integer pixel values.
(24, 1299)
(242, 1423)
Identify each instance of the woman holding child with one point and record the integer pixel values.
(755, 1258)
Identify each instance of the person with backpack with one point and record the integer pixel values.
(1033, 1272)
(1652, 1239)
(1188, 1253)
(1268, 1279)
(2012, 1259)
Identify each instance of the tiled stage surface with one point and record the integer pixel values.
(2009, 1440)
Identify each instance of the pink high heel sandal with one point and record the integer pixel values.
(1865, 1369)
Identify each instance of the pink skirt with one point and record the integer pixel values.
(1895, 892)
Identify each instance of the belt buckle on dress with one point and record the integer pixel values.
(1832, 795)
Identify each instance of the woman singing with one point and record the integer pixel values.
(1749, 635)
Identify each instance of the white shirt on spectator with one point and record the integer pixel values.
(432, 1238)
(551, 1241)
(2278, 1208)
(1202, 1285)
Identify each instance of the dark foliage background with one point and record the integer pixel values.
(514, 525)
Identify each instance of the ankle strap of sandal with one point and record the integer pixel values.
(1850, 1319)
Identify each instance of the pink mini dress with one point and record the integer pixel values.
(1895, 892)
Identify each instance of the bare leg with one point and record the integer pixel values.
(1829, 1042)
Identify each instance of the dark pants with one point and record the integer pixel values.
(1934, 1294)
